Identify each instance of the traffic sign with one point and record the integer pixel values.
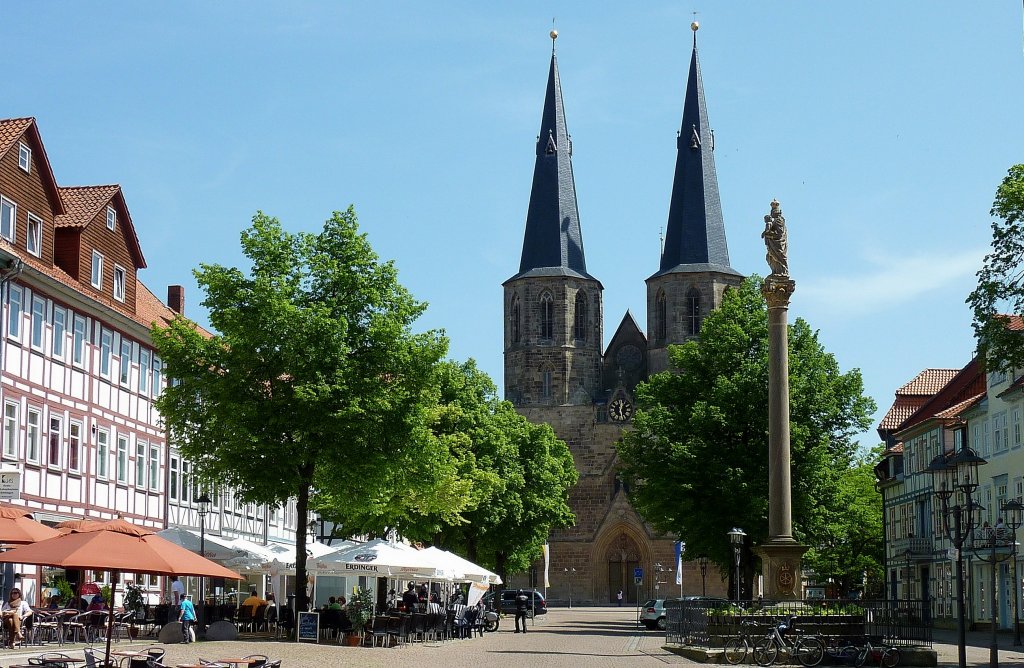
(638, 573)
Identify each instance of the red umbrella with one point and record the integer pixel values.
(116, 545)
(18, 527)
(89, 589)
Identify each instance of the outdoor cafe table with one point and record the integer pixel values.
(239, 662)
(128, 655)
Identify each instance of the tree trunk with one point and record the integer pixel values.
(471, 549)
(301, 527)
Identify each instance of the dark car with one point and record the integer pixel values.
(508, 601)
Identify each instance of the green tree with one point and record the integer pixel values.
(697, 458)
(313, 383)
(1000, 289)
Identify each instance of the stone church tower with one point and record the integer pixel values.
(557, 371)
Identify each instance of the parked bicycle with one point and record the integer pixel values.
(886, 655)
(736, 649)
(782, 638)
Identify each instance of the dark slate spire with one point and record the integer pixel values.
(695, 234)
(553, 244)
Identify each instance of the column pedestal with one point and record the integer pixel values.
(780, 567)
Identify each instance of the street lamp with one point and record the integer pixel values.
(203, 503)
(568, 578)
(957, 476)
(703, 561)
(736, 536)
(1013, 512)
(991, 540)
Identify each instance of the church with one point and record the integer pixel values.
(557, 370)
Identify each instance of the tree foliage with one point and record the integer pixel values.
(1000, 289)
(697, 458)
(314, 382)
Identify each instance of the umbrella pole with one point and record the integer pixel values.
(110, 613)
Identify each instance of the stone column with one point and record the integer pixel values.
(780, 556)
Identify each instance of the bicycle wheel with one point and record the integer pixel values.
(810, 651)
(891, 657)
(765, 652)
(862, 656)
(735, 650)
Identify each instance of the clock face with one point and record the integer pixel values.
(629, 357)
(620, 410)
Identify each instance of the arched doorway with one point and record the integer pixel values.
(622, 556)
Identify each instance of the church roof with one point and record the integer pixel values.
(695, 234)
(553, 238)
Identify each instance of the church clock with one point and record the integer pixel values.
(620, 410)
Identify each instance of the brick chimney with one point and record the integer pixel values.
(176, 298)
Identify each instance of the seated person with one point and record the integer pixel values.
(14, 612)
(54, 603)
(253, 602)
(410, 599)
(97, 603)
(332, 604)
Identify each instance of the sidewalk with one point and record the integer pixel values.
(977, 648)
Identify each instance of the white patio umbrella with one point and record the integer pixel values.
(383, 558)
(465, 569)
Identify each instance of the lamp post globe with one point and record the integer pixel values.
(702, 561)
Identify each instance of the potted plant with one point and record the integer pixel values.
(134, 604)
(360, 610)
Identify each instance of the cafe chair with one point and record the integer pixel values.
(155, 653)
(261, 660)
(154, 663)
(379, 630)
(274, 664)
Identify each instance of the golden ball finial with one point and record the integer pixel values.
(554, 34)
(694, 26)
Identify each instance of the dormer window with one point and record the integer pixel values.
(97, 270)
(24, 157)
(34, 239)
(111, 218)
(119, 276)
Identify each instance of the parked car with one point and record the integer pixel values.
(653, 613)
(508, 601)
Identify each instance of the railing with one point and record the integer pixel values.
(916, 547)
(703, 624)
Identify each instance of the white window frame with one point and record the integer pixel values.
(106, 350)
(172, 484)
(122, 459)
(120, 280)
(186, 474)
(60, 326)
(55, 439)
(102, 453)
(34, 235)
(157, 375)
(38, 322)
(96, 275)
(12, 430)
(8, 219)
(141, 452)
(33, 434)
(143, 370)
(15, 303)
(126, 361)
(111, 218)
(74, 446)
(154, 467)
(24, 157)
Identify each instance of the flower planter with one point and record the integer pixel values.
(352, 640)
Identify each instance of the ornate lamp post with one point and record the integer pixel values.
(954, 480)
(989, 540)
(702, 560)
(1013, 513)
(736, 536)
(203, 504)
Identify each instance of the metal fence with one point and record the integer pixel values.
(710, 624)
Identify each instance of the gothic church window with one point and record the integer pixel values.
(547, 317)
(693, 311)
(660, 317)
(546, 389)
(580, 328)
(515, 315)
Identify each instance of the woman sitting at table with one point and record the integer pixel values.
(97, 603)
(14, 611)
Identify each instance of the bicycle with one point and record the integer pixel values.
(887, 656)
(808, 650)
(735, 649)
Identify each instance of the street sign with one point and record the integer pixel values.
(638, 581)
(638, 573)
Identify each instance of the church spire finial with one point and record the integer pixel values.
(554, 34)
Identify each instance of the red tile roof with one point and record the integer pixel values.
(928, 382)
(900, 410)
(82, 203)
(11, 130)
(956, 410)
(1014, 323)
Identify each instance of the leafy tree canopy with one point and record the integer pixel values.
(1000, 289)
(697, 458)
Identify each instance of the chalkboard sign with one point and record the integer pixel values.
(309, 627)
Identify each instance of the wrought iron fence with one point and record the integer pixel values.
(705, 623)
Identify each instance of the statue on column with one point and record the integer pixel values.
(774, 236)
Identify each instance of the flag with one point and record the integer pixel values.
(679, 563)
(546, 555)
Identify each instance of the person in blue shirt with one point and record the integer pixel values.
(187, 617)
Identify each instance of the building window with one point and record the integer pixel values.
(111, 218)
(8, 218)
(34, 238)
(173, 482)
(106, 343)
(97, 270)
(14, 312)
(546, 384)
(60, 318)
(157, 368)
(32, 435)
(143, 371)
(126, 360)
(185, 470)
(154, 467)
(122, 459)
(119, 277)
(580, 317)
(140, 464)
(24, 157)
(515, 317)
(74, 445)
(693, 311)
(660, 317)
(56, 435)
(547, 317)
(1016, 427)
(38, 322)
(79, 340)
(102, 452)
(11, 429)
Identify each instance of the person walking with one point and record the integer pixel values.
(618, 597)
(521, 604)
(187, 617)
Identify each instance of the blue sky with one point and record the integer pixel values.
(883, 129)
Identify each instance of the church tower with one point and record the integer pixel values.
(553, 307)
(695, 269)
